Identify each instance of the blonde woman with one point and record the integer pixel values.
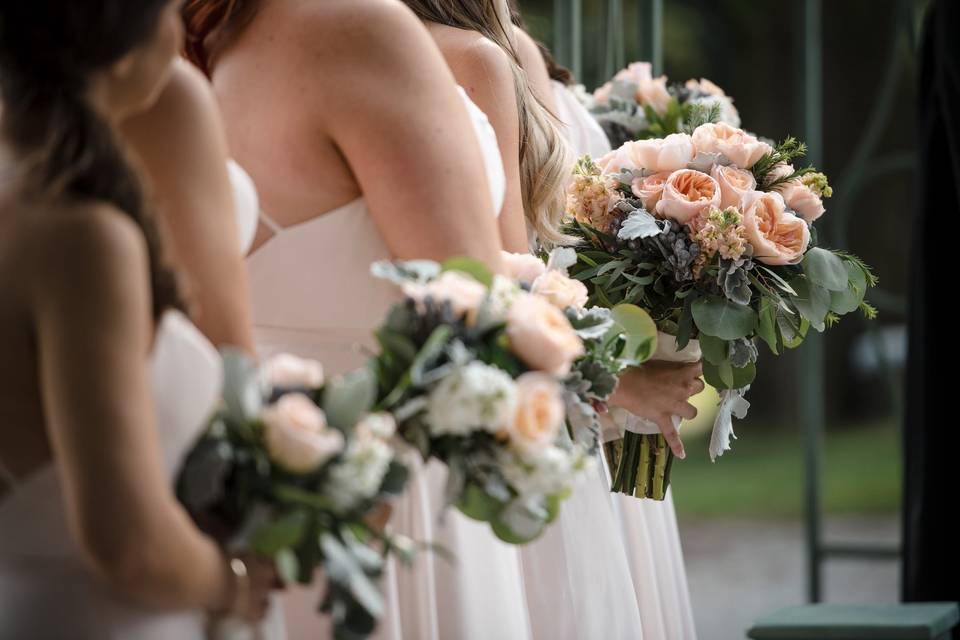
(649, 527)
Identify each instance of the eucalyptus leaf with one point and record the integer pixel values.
(283, 533)
(242, 390)
(400, 272)
(715, 350)
(812, 301)
(432, 349)
(726, 376)
(639, 332)
(477, 504)
(473, 268)
(849, 300)
(520, 522)
(288, 567)
(826, 269)
(347, 398)
(718, 317)
(767, 327)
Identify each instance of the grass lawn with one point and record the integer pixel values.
(762, 475)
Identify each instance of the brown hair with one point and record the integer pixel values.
(48, 52)
(211, 25)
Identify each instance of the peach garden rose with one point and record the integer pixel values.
(541, 335)
(561, 290)
(650, 188)
(539, 413)
(287, 370)
(778, 237)
(297, 436)
(686, 193)
(524, 267)
(741, 148)
(662, 154)
(734, 183)
(462, 292)
(803, 200)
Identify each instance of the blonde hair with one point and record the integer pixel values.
(545, 158)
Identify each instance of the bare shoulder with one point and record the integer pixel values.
(186, 107)
(527, 49)
(83, 245)
(481, 66)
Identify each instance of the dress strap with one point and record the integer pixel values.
(270, 223)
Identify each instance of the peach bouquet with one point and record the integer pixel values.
(712, 233)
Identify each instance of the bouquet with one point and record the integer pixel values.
(490, 378)
(713, 234)
(635, 105)
(293, 469)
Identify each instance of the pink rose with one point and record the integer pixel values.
(650, 188)
(741, 148)
(462, 292)
(602, 94)
(654, 93)
(662, 154)
(734, 183)
(297, 436)
(561, 290)
(638, 72)
(523, 266)
(286, 371)
(705, 86)
(539, 413)
(617, 160)
(779, 172)
(686, 193)
(803, 200)
(777, 236)
(541, 335)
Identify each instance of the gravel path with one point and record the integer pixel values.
(741, 569)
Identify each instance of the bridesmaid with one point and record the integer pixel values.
(324, 104)
(204, 209)
(89, 527)
(649, 526)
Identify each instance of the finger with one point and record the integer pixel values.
(685, 410)
(672, 436)
(696, 386)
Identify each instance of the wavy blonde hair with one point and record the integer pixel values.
(545, 158)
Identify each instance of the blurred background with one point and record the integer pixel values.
(750, 523)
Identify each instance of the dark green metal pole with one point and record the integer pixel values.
(811, 384)
(651, 33)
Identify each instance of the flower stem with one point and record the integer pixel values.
(641, 486)
(660, 469)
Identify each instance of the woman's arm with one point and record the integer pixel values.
(93, 329)
(181, 145)
(536, 69)
(483, 70)
(380, 90)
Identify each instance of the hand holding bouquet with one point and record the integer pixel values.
(293, 469)
(478, 372)
(712, 233)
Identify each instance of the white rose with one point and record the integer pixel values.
(547, 471)
(297, 436)
(381, 424)
(286, 371)
(359, 474)
(477, 397)
(674, 152)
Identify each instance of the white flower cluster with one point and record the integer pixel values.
(549, 471)
(476, 397)
(358, 474)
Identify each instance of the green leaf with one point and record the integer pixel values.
(518, 524)
(283, 533)
(849, 300)
(347, 398)
(473, 268)
(825, 269)
(812, 301)
(395, 480)
(295, 496)
(719, 317)
(726, 376)
(638, 329)
(715, 350)
(685, 324)
(431, 350)
(288, 567)
(767, 327)
(477, 504)
(399, 345)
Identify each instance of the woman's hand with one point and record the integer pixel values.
(249, 581)
(658, 391)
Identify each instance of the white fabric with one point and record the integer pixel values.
(648, 528)
(312, 294)
(41, 567)
(246, 204)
